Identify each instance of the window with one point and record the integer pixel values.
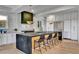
(3, 21)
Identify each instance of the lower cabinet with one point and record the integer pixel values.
(7, 38)
(4, 39)
(0, 39)
(11, 38)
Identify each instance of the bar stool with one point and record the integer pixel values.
(59, 37)
(58, 40)
(47, 39)
(39, 41)
(54, 39)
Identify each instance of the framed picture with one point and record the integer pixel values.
(26, 17)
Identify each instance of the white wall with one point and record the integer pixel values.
(15, 22)
(43, 23)
(12, 21)
(49, 27)
(15, 19)
(50, 22)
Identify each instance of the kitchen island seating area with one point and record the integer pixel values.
(37, 42)
(44, 41)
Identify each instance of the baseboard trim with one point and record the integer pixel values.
(69, 39)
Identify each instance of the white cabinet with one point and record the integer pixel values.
(4, 39)
(11, 38)
(74, 30)
(7, 38)
(78, 27)
(14, 38)
(66, 33)
(0, 39)
(74, 20)
(70, 25)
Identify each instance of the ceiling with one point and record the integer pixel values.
(10, 6)
(38, 9)
(43, 8)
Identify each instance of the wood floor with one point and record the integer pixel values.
(66, 47)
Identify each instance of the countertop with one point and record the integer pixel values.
(37, 33)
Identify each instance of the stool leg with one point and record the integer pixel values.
(34, 45)
(40, 49)
(44, 45)
(48, 42)
(52, 42)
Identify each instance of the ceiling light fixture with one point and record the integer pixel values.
(31, 8)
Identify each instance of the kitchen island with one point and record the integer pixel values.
(24, 41)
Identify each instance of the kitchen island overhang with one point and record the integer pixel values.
(24, 40)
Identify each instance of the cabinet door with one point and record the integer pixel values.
(73, 30)
(0, 39)
(74, 19)
(66, 33)
(78, 27)
(11, 38)
(4, 39)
